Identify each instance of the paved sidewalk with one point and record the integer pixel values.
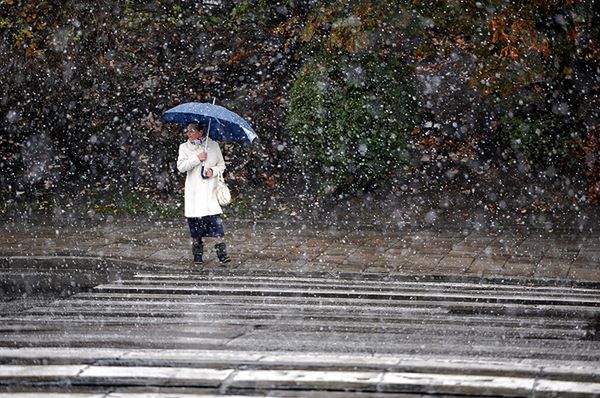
(563, 256)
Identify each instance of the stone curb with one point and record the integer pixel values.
(67, 275)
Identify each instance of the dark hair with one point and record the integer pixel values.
(198, 127)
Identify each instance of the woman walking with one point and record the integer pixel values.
(202, 160)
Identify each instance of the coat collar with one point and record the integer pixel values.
(192, 146)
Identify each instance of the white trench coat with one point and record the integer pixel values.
(200, 193)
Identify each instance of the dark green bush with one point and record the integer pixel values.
(350, 119)
(541, 137)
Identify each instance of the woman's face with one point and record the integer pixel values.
(193, 134)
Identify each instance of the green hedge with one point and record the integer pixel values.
(350, 119)
(542, 137)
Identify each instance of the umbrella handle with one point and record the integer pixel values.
(202, 173)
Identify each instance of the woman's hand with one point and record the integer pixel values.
(208, 172)
(202, 156)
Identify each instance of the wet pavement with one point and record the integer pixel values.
(275, 334)
(118, 310)
(565, 256)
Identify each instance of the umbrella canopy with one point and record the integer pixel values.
(224, 125)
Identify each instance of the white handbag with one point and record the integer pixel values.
(223, 194)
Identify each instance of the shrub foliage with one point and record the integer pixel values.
(350, 120)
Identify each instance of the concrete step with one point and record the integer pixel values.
(243, 380)
(511, 298)
(566, 370)
(281, 334)
(329, 283)
(451, 325)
